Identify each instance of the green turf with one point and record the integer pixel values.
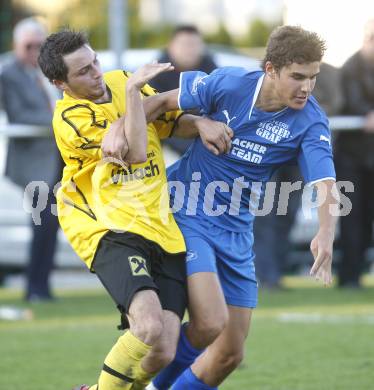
(305, 338)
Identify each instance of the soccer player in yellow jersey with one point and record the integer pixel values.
(115, 212)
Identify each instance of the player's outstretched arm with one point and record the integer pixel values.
(322, 244)
(216, 136)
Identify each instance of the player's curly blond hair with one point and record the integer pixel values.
(289, 44)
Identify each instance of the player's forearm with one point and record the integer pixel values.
(188, 126)
(135, 126)
(328, 198)
(156, 105)
(322, 244)
(216, 136)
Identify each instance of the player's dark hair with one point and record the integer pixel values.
(185, 28)
(292, 44)
(57, 45)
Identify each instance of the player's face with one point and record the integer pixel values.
(85, 78)
(294, 83)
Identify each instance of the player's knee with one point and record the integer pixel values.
(146, 317)
(167, 357)
(163, 357)
(149, 328)
(209, 328)
(231, 360)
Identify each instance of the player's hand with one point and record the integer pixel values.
(147, 72)
(216, 136)
(321, 248)
(114, 144)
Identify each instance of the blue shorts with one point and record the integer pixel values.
(228, 254)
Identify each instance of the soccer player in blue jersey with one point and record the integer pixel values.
(275, 121)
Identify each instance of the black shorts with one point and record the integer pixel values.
(126, 263)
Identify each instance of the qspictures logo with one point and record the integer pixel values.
(189, 194)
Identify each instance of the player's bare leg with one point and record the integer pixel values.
(207, 309)
(208, 317)
(226, 352)
(145, 316)
(162, 352)
(146, 324)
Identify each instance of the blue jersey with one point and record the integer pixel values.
(219, 188)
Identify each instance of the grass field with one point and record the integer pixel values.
(305, 338)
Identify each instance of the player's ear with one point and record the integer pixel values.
(270, 69)
(61, 85)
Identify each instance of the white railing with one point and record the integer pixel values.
(343, 123)
(24, 131)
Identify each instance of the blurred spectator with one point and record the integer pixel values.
(186, 51)
(272, 245)
(354, 157)
(328, 91)
(29, 99)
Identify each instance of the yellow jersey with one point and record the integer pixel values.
(97, 195)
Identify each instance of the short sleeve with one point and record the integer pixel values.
(198, 90)
(315, 158)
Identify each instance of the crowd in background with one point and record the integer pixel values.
(27, 98)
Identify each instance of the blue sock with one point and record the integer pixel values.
(184, 357)
(189, 381)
